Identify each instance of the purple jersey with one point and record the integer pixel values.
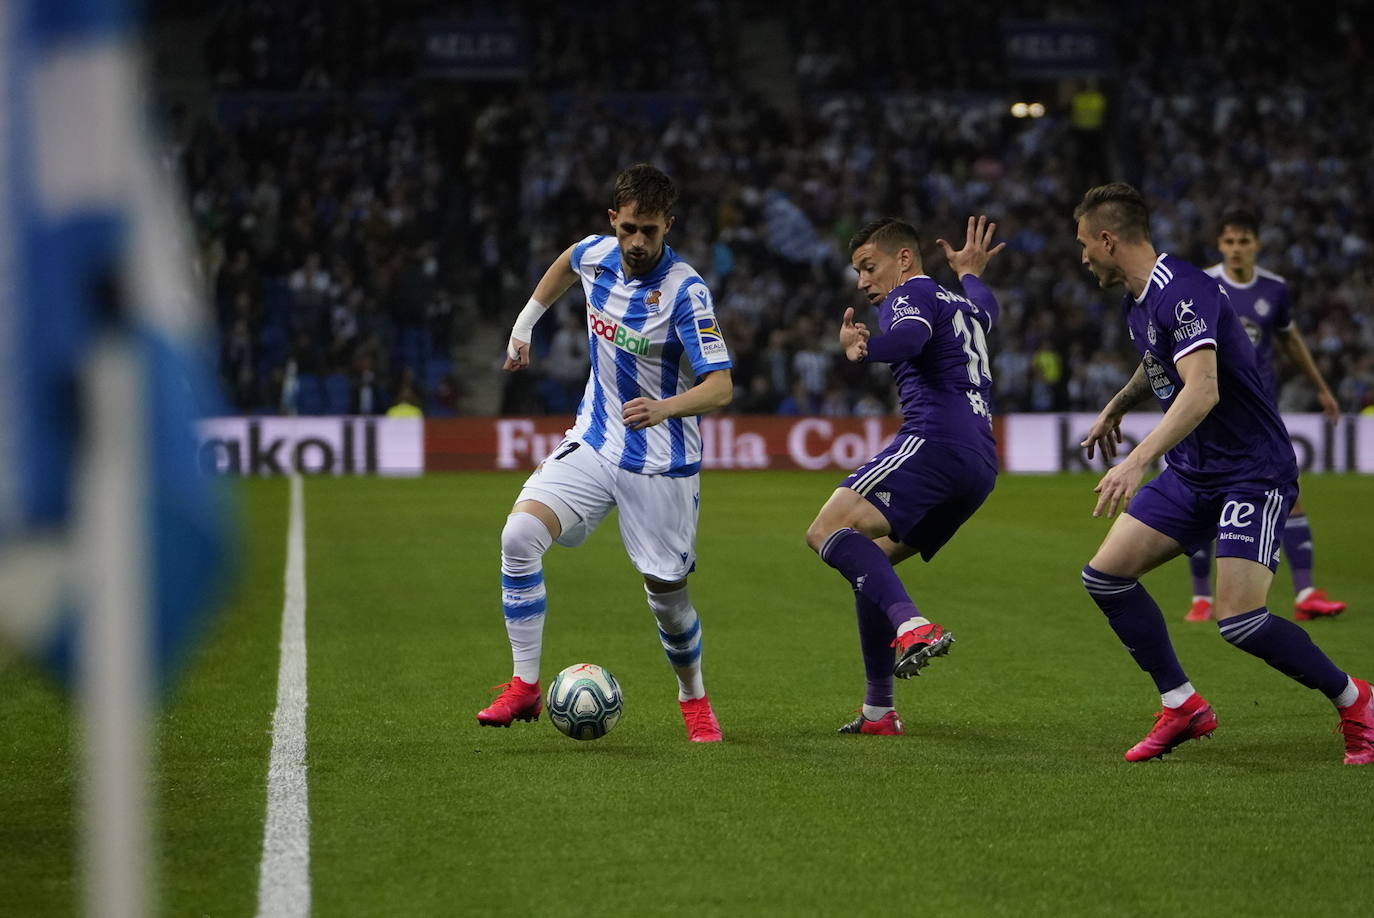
(936, 341)
(1262, 307)
(1242, 438)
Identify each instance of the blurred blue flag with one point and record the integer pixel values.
(103, 363)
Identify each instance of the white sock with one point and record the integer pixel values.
(1176, 696)
(1304, 593)
(1346, 698)
(912, 624)
(1203, 598)
(874, 712)
(679, 630)
(523, 543)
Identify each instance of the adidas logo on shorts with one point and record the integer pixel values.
(885, 497)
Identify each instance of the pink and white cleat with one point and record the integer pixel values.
(519, 700)
(887, 725)
(702, 726)
(1357, 725)
(1199, 611)
(1193, 719)
(1314, 604)
(917, 646)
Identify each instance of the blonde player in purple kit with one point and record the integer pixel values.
(1260, 299)
(1231, 476)
(914, 495)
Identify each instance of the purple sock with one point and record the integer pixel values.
(875, 641)
(1200, 563)
(869, 572)
(1297, 545)
(1138, 623)
(1286, 647)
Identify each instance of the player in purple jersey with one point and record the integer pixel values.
(658, 361)
(1231, 476)
(914, 495)
(1260, 299)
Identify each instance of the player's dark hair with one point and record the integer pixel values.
(888, 234)
(647, 188)
(1119, 208)
(1241, 220)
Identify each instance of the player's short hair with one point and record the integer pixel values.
(647, 188)
(1119, 208)
(1241, 220)
(888, 234)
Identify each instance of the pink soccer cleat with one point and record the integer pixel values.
(701, 720)
(1316, 605)
(519, 700)
(1193, 719)
(1357, 725)
(917, 646)
(1200, 611)
(887, 725)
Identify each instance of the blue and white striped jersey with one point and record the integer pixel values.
(649, 336)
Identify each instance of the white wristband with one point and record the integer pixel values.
(524, 324)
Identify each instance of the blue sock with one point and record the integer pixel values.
(875, 642)
(1286, 647)
(1138, 623)
(1200, 563)
(869, 572)
(1297, 547)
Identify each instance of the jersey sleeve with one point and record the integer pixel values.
(694, 317)
(985, 305)
(1283, 310)
(908, 328)
(1189, 316)
(580, 248)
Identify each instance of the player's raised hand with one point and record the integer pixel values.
(977, 250)
(853, 337)
(517, 355)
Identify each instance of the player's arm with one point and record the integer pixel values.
(555, 282)
(1105, 433)
(1291, 341)
(903, 340)
(1197, 396)
(714, 390)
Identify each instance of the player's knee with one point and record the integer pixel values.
(816, 536)
(524, 538)
(1104, 585)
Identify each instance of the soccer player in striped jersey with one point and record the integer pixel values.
(915, 494)
(658, 361)
(1231, 477)
(1260, 299)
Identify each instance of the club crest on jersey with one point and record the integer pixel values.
(1150, 334)
(652, 300)
(1262, 307)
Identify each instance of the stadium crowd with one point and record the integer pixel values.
(356, 229)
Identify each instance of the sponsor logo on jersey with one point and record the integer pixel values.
(1183, 311)
(712, 342)
(1160, 382)
(624, 338)
(1190, 330)
(1252, 330)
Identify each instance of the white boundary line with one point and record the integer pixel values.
(284, 877)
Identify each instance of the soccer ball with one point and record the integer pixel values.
(584, 701)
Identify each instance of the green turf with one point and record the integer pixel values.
(1006, 797)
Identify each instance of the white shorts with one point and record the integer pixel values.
(658, 514)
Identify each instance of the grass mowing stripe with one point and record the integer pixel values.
(284, 880)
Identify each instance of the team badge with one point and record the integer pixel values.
(1262, 307)
(1150, 334)
(652, 301)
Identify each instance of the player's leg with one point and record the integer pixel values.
(658, 524)
(1200, 566)
(562, 501)
(1308, 601)
(1161, 516)
(1245, 569)
(876, 634)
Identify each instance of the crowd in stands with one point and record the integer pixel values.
(354, 239)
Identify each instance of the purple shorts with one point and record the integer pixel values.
(1245, 518)
(925, 490)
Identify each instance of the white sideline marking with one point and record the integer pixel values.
(284, 877)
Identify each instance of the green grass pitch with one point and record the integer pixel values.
(1007, 796)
